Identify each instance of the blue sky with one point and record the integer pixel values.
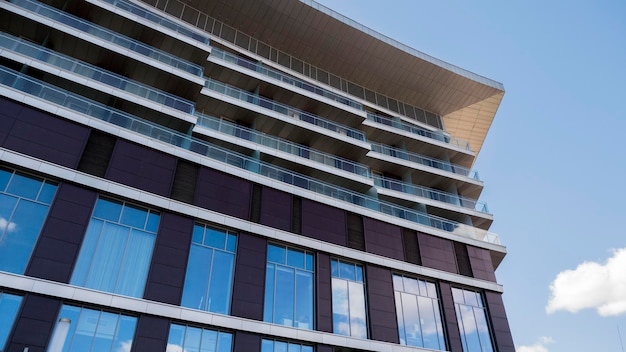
(553, 162)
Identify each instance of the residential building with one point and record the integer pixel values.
(186, 175)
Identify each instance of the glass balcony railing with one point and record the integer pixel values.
(424, 160)
(94, 72)
(275, 74)
(404, 126)
(283, 145)
(282, 109)
(159, 20)
(430, 193)
(108, 35)
(102, 112)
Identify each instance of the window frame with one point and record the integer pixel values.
(209, 274)
(432, 293)
(363, 285)
(22, 199)
(81, 275)
(307, 268)
(482, 306)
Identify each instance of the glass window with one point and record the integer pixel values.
(419, 316)
(184, 338)
(281, 346)
(289, 287)
(209, 278)
(95, 330)
(115, 255)
(9, 306)
(472, 318)
(24, 204)
(349, 317)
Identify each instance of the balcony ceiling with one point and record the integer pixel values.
(326, 39)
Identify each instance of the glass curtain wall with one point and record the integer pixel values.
(289, 287)
(116, 252)
(471, 315)
(183, 338)
(209, 278)
(24, 204)
(419, 315)
(349, 317)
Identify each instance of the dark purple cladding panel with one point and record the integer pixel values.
(41, 135)
(151, 334)
(249, 281)
(324, 222)
(276, 209)
(437, 253)
(502, 332)
(482, 266)
(383, 239)
(169, 261)
(34, 324)
(223, 193)
(324, 293)
(381, 304)
(141, 167)
(449, 318)
(61, 237)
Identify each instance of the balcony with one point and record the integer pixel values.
(285, 78)
(158, 20)
(424, 160)
(430, 193)
(282, 109)
(60, 19)
(95, 73)
(27, 85)
(232, 129)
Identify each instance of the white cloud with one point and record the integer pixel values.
(9, 226)
(591, 285)
(125, 346)
(537, 347)
(174, 348)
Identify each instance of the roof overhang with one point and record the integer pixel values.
(324, 38)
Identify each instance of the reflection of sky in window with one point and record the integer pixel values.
(9, 305)
(183, 338)
(94, 330)
(24, 204)
(471, 316)
(348, 301)
(418, 313)
(289, 287)
(282, 346)
(116, 250)
(209, 276)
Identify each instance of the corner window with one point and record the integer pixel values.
(419, 316)
(183, 338)
(281, 346)
(24, 204)
(81, 329)
(349, 317)
(289, 287)
(116, 252)
(209, 278)
(472, 318)
(9, 306)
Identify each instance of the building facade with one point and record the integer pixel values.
(193, 175)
